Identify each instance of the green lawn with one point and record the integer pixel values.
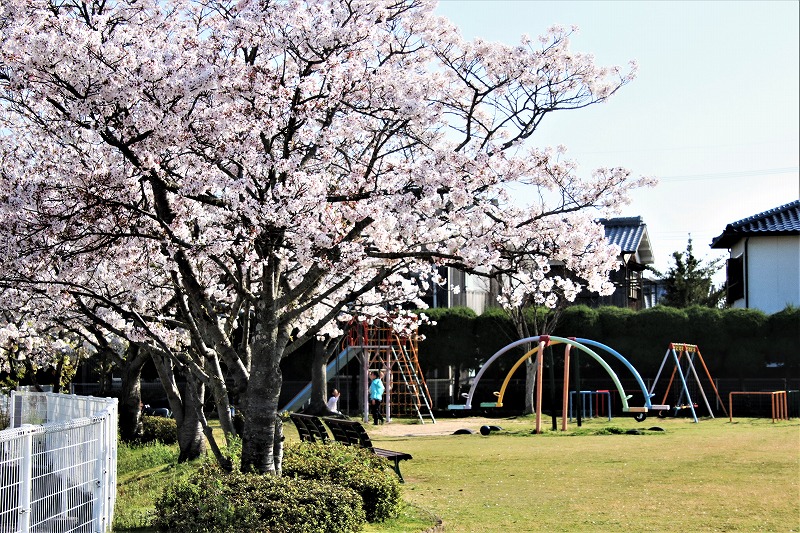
(711, 476)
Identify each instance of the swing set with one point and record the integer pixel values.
(683, 356)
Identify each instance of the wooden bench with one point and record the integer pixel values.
(310, 428)
(352, 433)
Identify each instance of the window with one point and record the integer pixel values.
(735, 274)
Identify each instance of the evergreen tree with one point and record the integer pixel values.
(689, 282)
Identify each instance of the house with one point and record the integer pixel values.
(636, 253)
(632, 289)
(763, 270)
(462, 289)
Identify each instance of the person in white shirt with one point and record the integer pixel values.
(333, 401)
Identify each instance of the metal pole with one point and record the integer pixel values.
(685, 387)
(552, 387)
(700, 385)
(565, 394)
(577, 371)
(25, 475)
(539, 371)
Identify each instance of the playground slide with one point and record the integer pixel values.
(338, 362)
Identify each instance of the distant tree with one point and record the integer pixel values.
(689, 282)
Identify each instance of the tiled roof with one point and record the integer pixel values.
(630, 234)
(783, 220)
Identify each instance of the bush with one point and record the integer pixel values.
(579, 321)
(351, 467)
(615, 328)
(784, 330)
(494, 329)
(451, 341)
(214, 501)
(156, 428)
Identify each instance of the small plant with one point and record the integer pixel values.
(156, 428)
(214, 501)
(351, 467)
(139, 457)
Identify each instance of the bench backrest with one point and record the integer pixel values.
(310, 428)
(349, 432)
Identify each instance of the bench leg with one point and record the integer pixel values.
(397, 470)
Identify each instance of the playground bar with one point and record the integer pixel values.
(592, 412)
(780, 404)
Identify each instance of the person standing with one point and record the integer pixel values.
(376, 390)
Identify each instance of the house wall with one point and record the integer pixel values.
(772, 272)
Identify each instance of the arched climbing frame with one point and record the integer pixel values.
(579, 343)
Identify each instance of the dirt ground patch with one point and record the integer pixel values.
(443, 426)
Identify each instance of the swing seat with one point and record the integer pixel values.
(636, 410)
(490, 404)
(659, 407)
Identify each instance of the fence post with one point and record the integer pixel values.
(98, 494)
(108, 432)
(13, 416)
(25, 475)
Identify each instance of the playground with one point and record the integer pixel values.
(663, 463)
(644, 469)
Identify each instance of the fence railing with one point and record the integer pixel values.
(58, 464)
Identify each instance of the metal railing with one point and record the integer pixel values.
(58, 464)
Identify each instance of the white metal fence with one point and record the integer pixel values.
(58, 464)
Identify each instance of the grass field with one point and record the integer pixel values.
(711, 476)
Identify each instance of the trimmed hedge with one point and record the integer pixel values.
(355, 468)
(211, 501)
(158, 429)
(734, 342)
(446, 343)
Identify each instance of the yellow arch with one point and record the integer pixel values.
(514, 369)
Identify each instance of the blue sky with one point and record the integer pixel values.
(713, 112)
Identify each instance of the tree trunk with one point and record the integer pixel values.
(262, 441)
(521, 325)
(319, 379)
(130, 412)
(262, 429)
(191, 441)
(530, 382)
(221, 400)
(190, 430)
(105, 369)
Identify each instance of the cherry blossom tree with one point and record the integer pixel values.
(231, 176)
(35, 351)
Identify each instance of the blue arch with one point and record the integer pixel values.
(627, 363)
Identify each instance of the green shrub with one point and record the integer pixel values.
(494, 329)
(214, 501)
(784, 330)
(351, 467)
(579, 321)
(160, 429)
(451, 341)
